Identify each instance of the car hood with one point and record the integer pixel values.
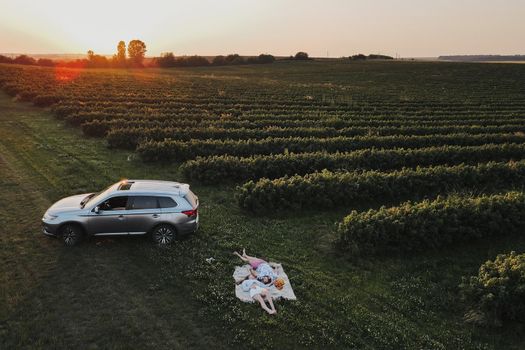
(67, 204)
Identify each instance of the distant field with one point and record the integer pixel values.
(436, 128)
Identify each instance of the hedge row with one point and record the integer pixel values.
(129, 138)
(230, 168)
(93, 126)
(353, 188)
(179, 150)
(106, 110)
(431, 224)
(100, 127)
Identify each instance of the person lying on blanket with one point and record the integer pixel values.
(260, 268)
(258, 293)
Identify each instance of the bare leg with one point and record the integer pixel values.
(240, 256)
(259, 298)
(246, 255)
(266, 294)
(249, 259)
(270, 301)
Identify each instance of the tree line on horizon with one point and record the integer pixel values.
(134, 54)
(361, 57)
(168, 59)
(27, 60)
(130, 57)
(133, 57)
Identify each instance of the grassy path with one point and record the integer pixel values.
(102, 294)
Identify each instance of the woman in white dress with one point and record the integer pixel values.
(260, 294)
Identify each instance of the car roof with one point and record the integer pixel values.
(152, 187)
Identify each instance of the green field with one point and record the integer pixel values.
(127, 293)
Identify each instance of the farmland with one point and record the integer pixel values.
(308, 163)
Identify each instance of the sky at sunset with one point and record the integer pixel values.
(411, 28)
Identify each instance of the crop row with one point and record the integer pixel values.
(351, 189)
(129, 138)
(229, 168)
(257, 99)
(259, 102)
(87, 111)
(83, 113)
(432, 224)
(100, 127)
(148, 95)
(183, 150)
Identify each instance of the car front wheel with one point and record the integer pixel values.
(71, 235)
(163, 234)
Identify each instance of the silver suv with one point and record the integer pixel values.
(163, 209)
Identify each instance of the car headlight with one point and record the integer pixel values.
(50, 217)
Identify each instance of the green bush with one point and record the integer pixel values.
(12, 89)
(125, 137)
(183, 150)
(228, 168)
(95, 128)
(62, 112)
(431, 224)
(336, 189)
(497, 293)
(445, 126)
(45, 100)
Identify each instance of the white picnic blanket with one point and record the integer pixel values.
(241, 272)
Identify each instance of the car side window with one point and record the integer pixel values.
(167, 202)
(114, 203)
(143, 202)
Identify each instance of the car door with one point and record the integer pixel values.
(143, 214)
(111, 217)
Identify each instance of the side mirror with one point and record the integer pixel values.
(96, 209)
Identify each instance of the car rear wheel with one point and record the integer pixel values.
(71, 235)
(163, 234)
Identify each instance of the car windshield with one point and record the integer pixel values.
(94, 197)
(87, 198)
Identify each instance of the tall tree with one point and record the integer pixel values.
(121, 51)
(136, 52)
(119, 60)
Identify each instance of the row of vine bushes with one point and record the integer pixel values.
(229, 168)
(350, 189)
(431, 224)
(179, 150)
(129, 138)
(94, 124)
